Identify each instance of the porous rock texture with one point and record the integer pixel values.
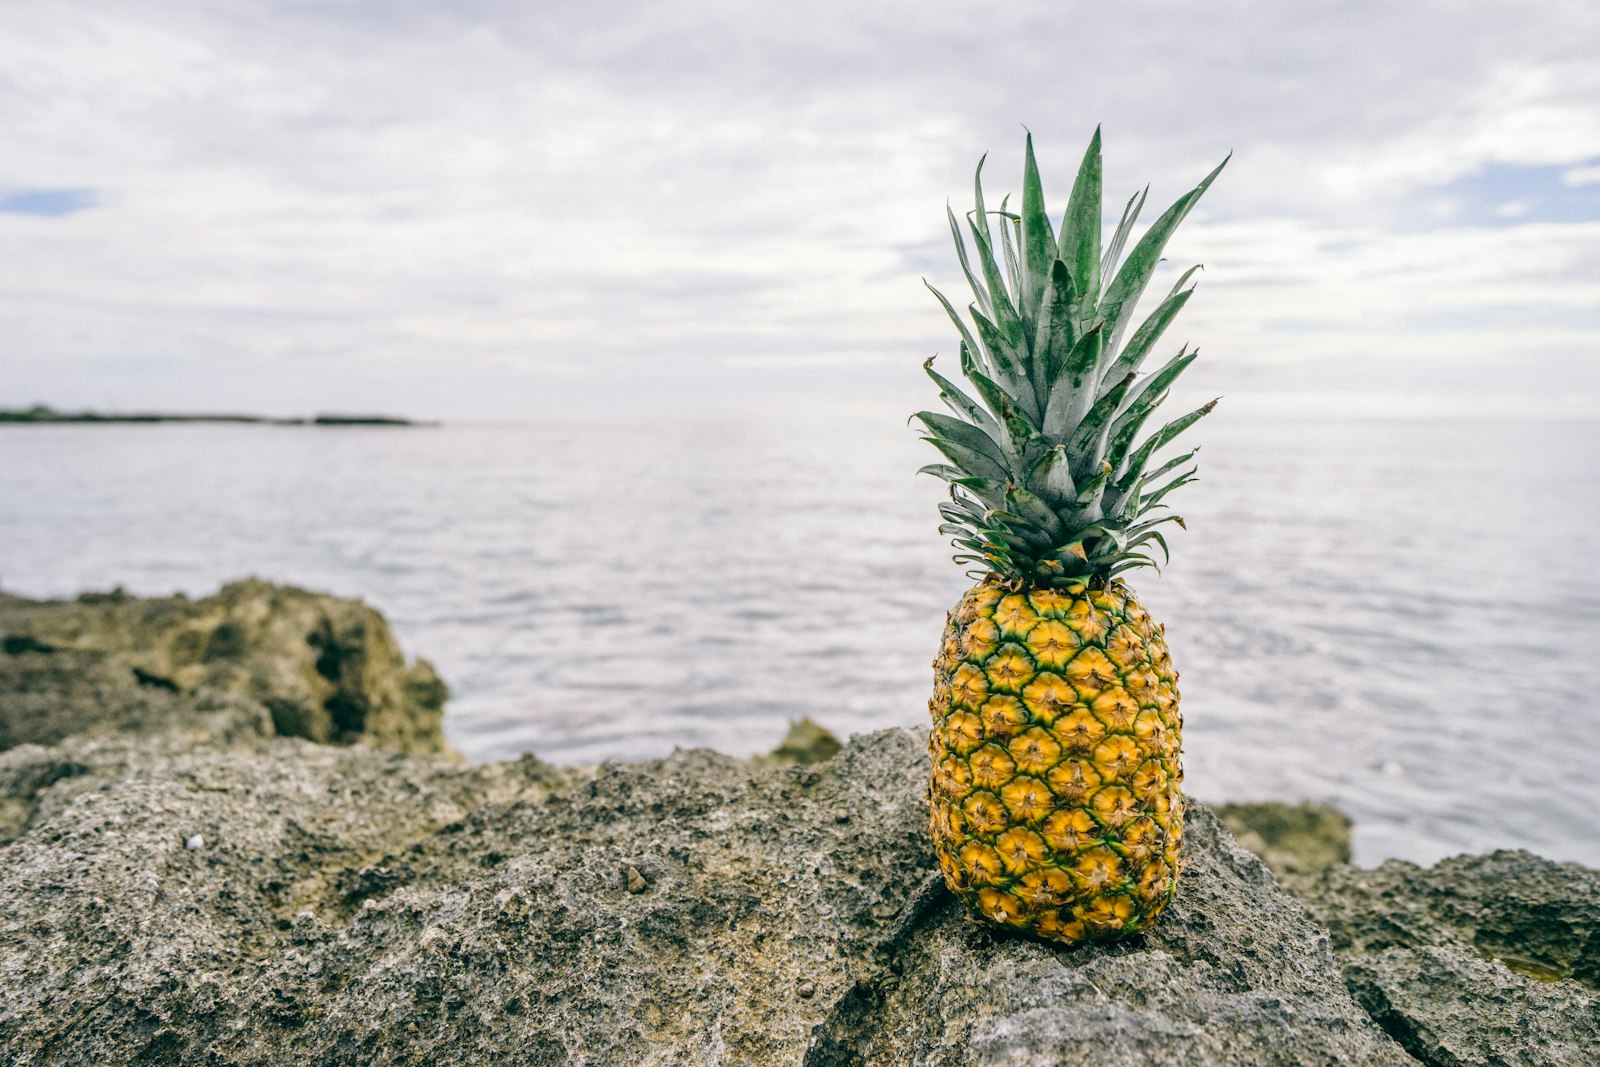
(182, 884)
(1478, 960)
(324, 668)
(351, 906)
(1292, 839)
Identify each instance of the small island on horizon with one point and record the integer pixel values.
(40, 413)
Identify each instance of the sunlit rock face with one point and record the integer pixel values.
(181, 884)
(1476, 960)
(320, 667)
(274, 901)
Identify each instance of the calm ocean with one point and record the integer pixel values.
(1401, 618)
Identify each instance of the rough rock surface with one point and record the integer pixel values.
(806, 742)
(347, 905)
(1292, 839)
(1233, 974)
(325, 669)
(1478, 960)
(179, 883)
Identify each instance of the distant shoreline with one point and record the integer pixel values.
(41, 414)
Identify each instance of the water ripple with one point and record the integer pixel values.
(1353, 622)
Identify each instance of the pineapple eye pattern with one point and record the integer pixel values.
(1061, 824)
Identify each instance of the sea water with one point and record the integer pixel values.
(1401, 618)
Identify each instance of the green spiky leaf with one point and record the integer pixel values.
(1087, 445)
(1124, 291)
(1038, 240)
(980, 292)
(1119, 238)
(1072, 389)
(963, 433)
(1051, 478)
(969, 459)
(1058, 325)
(1047, 476)
(959, 402)
(1080, 229)
(1145, 337)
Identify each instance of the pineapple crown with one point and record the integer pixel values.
(1049, 479)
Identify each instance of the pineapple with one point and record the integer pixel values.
(1055, 804)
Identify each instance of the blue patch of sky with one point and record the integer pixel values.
(49, 203)
(1504, 194)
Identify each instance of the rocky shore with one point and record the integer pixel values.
(41, 414)
(232, 835)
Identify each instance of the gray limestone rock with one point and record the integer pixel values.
(1291, 839)
(1478, 960)
(180, 883)
(1232, 974)
(352, 906)
(324, 668)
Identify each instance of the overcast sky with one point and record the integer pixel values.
(459, 208)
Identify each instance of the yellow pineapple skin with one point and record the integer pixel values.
(1055, 803)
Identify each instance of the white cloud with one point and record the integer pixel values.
(1581, 176)
(482, 207)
